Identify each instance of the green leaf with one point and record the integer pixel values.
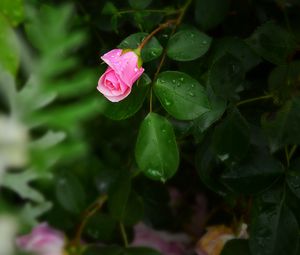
(188, 44)
(103, 250)
(70, 193)
(130, 105)
(225, 76)
(134, 210)
(236, 246)
(118, 196)
(207, 167)
(151, 51)
(218, 107)
(9, 48)
(30, 213)
(181, 95)
(210, 13)
(238, 49)
(21, 184)
(283, 128)
(272, 42)
(293, 178)
(140, 251)
(231, 138)
(109, 9)
(274, 228)
(115, 250)
(254, 174)
(284, 81)
(139, 4)
(13, 10)
(156, 150)
(101, 227)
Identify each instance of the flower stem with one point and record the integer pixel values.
(166, 12)
(176, 22)
(155, 31)
(289, 154)
(250, 100)
(124, 235)
(90, 211)
(150, 103)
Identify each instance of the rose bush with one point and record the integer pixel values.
(194, 131)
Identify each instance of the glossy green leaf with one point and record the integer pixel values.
(207, 167)
(156, 150)
(188, 44)
(283, 128)
(70, 193)
(139, 4)
(238, 49)
(231, 138)
(13, 10)
(236, 246)
(218, 107)
(182, 96)
(284, 81)
(9, 49)
(293, 178)
(274, 228)
(109, 9)
(210, 13)
(151, 51)
(254, 174)
(272, 42)
(118, 196)
(101, 227)
(134, 209)
(225, 76)
(130, 105)
(156, 199)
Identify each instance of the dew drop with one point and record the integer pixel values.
(204, 42)
(193, 85)
(168, 103)
(135, 69)
(153, 53)
(164, 131)
(181, 79)
(191, 94)
(174, 81)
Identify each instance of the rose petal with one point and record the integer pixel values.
(125, 65)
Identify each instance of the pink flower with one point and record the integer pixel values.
(164, 242)
(116, 83)
(43, 240)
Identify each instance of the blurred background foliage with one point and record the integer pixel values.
(62, 145)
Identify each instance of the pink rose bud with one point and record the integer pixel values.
(116, 83)
(43, 240)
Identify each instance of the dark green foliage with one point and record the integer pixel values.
(215, 114)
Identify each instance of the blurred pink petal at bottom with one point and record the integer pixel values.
(43, 240)
(164, 242)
